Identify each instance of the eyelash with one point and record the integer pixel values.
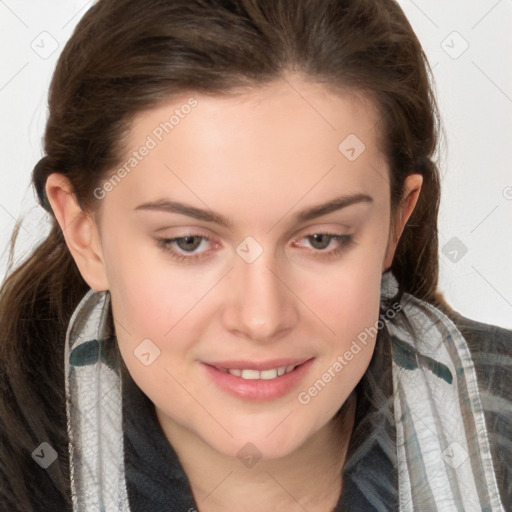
(345, 242)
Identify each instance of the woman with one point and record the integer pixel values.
(236, 307)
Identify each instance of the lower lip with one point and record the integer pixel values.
(258, 389)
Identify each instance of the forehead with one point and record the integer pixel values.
(281, 142)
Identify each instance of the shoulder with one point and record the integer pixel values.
(484, 337)
(491, 352)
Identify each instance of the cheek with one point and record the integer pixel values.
(153, 299)
(354, 319)
(149, 292)
(352, 312)
(347, 300)
(347, 296)
(143, 306)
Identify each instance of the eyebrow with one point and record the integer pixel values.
(335, 204)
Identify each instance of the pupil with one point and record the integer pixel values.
(186, 241)
(318, 238)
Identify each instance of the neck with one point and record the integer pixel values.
(309, 478)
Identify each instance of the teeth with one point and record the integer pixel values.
(257, 375)
(268, 374)
(250, 374)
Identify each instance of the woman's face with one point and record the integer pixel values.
(251, 232)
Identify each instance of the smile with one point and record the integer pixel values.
(258, 384)
(248, 374)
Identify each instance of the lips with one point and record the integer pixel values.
(260, 381)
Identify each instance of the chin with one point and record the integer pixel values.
(269, 440)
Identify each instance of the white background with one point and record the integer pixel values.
(474, 89)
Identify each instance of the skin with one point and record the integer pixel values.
(256, 159)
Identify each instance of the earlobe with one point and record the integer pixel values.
(412, 190)
(79, 230)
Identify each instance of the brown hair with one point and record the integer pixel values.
(126, 56)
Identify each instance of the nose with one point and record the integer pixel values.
(261, 307)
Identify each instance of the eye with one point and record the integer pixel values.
(321, 241)
(186, 245)
(184, 248)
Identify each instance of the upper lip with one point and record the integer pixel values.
(258, 365)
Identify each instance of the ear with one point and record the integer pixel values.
(412, 188)
(79, 229)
